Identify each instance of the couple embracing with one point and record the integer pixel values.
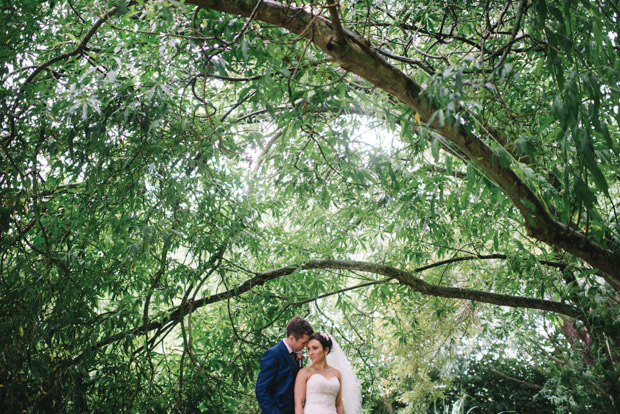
(327, 386)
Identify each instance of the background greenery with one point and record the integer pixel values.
(434, 183)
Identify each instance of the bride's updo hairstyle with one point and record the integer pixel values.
(324, 339)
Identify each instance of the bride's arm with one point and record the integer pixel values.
(300, 390)
(339, 405)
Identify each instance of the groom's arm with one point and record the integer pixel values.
(266, 381)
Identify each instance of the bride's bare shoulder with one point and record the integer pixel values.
(304, 372)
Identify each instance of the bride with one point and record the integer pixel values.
(328, 386)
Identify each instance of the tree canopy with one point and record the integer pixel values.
(421, 179)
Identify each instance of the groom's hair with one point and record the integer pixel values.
(298, 327)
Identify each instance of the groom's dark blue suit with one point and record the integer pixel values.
(276, 381)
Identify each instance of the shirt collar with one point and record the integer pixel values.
(287, 347)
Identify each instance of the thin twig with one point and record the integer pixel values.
(80, 47)
(405, 59)
(247, 23)
(527, 384)
(513, 36)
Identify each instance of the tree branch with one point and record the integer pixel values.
(80, 47)
(259, 161)
(333, 12)
(402, 276)
(357, 56)
(513, 35)
(518, 381)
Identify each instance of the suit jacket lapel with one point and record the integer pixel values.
(287, 356)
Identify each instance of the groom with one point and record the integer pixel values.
(278, 368)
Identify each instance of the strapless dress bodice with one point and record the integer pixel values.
(321, 395)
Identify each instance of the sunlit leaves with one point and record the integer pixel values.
(182, 152)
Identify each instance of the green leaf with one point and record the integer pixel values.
(121, 8)
(559, 110)
(435, 149)
(584, 194)
(592, 164)
(245, 50)
(541, 9)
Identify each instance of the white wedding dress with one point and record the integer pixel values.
(321, 395)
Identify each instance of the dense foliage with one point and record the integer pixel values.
(417, 178)
(490, 386)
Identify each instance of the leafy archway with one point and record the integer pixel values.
(198, 172)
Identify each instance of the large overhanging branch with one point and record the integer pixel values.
(354, 54)
(407, 278)
(418, 285)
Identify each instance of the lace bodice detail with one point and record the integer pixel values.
(321, 395)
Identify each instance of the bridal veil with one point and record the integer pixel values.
(350, 387)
